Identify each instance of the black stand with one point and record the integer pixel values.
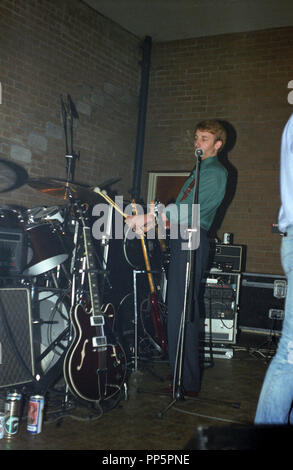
(68, 114)
(187, 313)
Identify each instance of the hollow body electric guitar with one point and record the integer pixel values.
(158, 334)
(95, 363)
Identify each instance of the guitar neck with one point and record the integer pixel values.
(147, 265)
(92, 278)
(145, 255)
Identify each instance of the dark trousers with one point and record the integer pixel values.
(191, 374)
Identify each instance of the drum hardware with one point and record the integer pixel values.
(50, 318)
(44, 322)
(57, 342)
(54, 276)
(45, 214)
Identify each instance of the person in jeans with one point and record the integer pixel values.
(276, 395)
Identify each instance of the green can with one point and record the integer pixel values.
(12, 412)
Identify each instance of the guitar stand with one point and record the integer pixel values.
(136, 354)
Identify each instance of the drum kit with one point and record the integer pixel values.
(48, 240)
(44, 250)
(52, 265)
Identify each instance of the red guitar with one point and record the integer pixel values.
(159, 336)
(95, 364)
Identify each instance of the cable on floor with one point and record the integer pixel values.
(208, 417)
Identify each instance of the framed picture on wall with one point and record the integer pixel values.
(165, 186)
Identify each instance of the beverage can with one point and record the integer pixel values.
(12, 414)
(2, 424)
(35, 414)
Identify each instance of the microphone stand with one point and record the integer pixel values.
(71, 156)
(187, 312)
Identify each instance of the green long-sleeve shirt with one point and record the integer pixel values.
(212, 187)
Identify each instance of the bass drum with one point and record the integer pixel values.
(54, 321)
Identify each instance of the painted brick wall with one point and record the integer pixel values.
(241, 79)
(51, 48)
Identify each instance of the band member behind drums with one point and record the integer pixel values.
(210, 136)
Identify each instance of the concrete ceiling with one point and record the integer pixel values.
(169, 20)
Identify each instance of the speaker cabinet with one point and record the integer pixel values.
(262, 303)
(16, 344)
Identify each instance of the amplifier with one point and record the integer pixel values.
(219, 306)
(219, 331)
(16, 338)
(220, 295)
(220, 301)
(227, 257)
(12, 251)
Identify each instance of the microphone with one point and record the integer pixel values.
(199, 153)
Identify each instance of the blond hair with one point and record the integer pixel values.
(214, 127)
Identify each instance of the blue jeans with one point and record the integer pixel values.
(277, 390)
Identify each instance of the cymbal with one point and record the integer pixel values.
(12, 176)
(65, 190)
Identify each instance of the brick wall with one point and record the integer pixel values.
(51, 48)
(241, 79)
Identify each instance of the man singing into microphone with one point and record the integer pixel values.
(209, 137)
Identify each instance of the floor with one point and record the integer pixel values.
(139, 420)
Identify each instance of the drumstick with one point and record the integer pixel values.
(109, 200)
